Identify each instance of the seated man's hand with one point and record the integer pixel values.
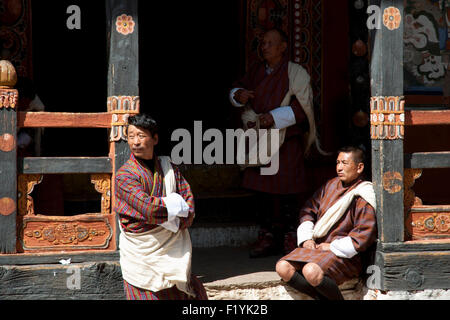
(309, 244)
(243, 95)
(266, 121)
(324, 247)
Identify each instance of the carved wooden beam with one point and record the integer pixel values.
(427, 118)
(64, 165)
(63, 120)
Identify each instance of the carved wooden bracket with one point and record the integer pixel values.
(25, 185)
(410, 177)
(409, 196)
(121, 108)
(102, 183)
(387, 118)
(8, 98)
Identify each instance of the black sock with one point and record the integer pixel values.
(329, 289)
(299, 283)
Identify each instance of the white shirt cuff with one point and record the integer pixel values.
(283, 116)
(305, 232)
(176, 207)
(343, 247)
(232, 100)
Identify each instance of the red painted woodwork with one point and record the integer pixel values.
(429, 222)
(63, 120)
(423, 118)
(87, 231)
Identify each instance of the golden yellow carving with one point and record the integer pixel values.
(8, 74)
(25, 185)
(102, 183)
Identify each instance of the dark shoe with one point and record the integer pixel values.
(290, 242)
(265, 246)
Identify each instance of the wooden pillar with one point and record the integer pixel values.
(387, 119)
(123, 77)
(123, 70)
(8, 157)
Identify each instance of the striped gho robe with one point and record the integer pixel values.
(270, 90)
(359, 223)
(139, 205)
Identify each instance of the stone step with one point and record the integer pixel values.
(229, 274)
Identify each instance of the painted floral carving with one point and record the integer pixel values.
(65, 233)
(433, 223)
(86, 232)
(392, 18)
(125, 24)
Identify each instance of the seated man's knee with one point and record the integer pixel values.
(285, 270)
(313, 273)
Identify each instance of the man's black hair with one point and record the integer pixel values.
(144, 121)
(358, 152)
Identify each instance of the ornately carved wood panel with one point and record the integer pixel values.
(38, 232)
(430, 222)
(61, 233)
(423, 222)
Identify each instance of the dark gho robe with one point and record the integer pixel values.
(359, 223)
(270, 90)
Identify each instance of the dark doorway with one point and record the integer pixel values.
(190, 53)
(70, 72)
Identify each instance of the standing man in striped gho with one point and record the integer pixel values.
(336, 225)
(155, 207)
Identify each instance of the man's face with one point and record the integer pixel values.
(272, 46)
(141, 142)
(347, 169)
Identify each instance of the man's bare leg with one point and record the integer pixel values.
(323, 284)
(291, 274)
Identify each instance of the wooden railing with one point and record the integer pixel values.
(425, 222)
(426, 118)
(38, 232)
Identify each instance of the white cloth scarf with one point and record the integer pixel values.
(334, 213)
(159, 258)
(299, 86)
(176, 206)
